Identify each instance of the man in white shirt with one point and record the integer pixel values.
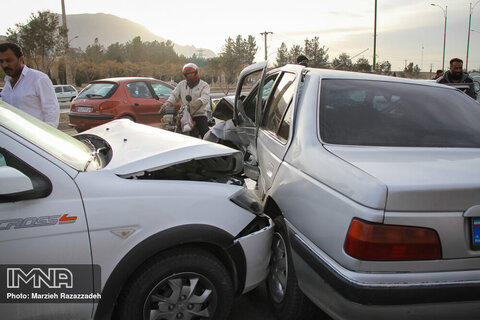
(27, 89)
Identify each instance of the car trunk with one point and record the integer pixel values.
(421, 179)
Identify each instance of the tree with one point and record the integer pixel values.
(411, 71)
(95, 52)
(42, 39)
(316, 55)
(343, 62)
(295, 51)
(236, 54)
(116, 52)
(362, 65)
(384, 67)
(282, 55)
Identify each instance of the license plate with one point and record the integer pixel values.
(84, 109)
(476, 233)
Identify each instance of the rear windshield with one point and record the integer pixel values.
(376, 113)
(98, 91)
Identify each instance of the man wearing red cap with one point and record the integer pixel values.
(194, 93)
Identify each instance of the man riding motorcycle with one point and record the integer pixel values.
(193, 93)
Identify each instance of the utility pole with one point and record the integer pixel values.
(68, 72)
(265, 35)
(469, 27)
(375, 38)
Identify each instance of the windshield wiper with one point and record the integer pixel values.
(93, 95)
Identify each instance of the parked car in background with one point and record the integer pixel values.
(153, 222)
(65, 93)
(373, 183)
(476, 82)
(135, 98)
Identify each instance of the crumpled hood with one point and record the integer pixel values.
(137, 148)
(420, 179)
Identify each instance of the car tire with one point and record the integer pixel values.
(286, 299)
(187, 283)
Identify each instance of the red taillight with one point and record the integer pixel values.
(108, 105)
(370, 241)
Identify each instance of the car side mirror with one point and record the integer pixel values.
(13, 181)
(476, 85)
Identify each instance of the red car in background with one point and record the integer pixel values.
(136, 98)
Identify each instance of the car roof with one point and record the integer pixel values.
(340, 74)
(125, 79)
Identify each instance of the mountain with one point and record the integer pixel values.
(111, 29)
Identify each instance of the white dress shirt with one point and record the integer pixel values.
(34, 94)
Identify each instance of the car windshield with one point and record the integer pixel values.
(97, 91)
(381, 113)
(57, 143)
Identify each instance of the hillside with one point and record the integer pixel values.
(111, 29)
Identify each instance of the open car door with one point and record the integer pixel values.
(247, 113)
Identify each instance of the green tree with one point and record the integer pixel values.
(316, 55)
(343, 62)
(41, 38)
(384, 67)
(236, 54)
(362, 65)
(95, 52)
(282, 55)
(412, 71)
(116, 52)
(294, 52)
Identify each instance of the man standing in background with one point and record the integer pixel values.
(27, 89)
(456, 75)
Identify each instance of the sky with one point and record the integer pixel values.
(407, 30)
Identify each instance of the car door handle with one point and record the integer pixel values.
(136, 104)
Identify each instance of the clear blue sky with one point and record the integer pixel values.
(407, 30)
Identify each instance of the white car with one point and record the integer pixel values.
(124, 221)
(65, 92)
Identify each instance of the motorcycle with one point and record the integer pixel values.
(179, 121)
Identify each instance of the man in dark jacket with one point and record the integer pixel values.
(456, 75)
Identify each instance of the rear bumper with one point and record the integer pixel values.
(91, 116)
(86, 121)
(350, 295)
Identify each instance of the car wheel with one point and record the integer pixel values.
(128, 117)
(284, 295)
(182, 284)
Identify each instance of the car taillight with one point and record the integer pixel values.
(108, 105)
(371, 241)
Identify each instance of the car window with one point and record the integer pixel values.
(361, 112)
(139, 90)
(98, 91)
(68, 88)
(58, 89)
(251, 100)
(278, 103)
(161, 90)
(3, 162)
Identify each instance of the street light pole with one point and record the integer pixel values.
(66, 57)
(469, 26)
(444, 33)
(375, 38)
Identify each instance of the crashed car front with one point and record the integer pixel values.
(131, 204)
